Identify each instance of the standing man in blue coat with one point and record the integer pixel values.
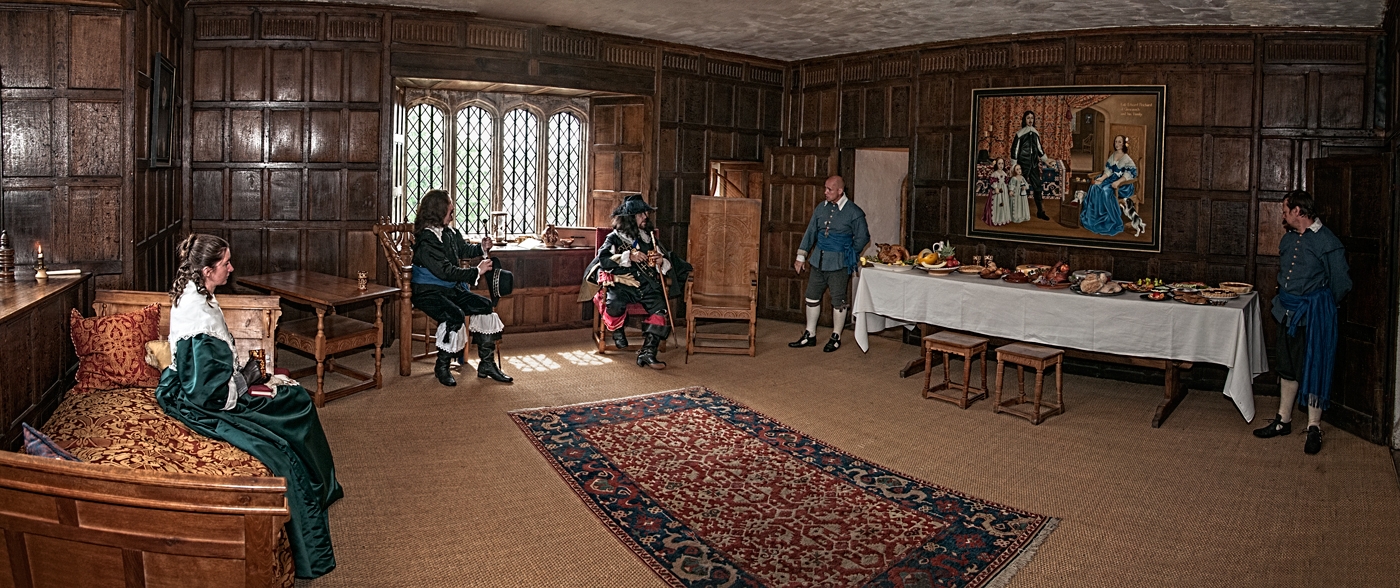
(1312, 278)
(832, 244)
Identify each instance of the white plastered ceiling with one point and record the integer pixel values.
(801, 29)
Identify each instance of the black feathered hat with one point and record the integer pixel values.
(632, 205)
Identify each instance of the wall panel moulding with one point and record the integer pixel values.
(629, 55)
(427, 32)
(941, 61)
(766, 75)
(1164, 51)
(571, 45)
(1040, 54)
(1232, 51)
(353, 28)
(725, 69)
(818, 75)
(505, 38)
(988, 57)
(1309, 51)
(1100, 52)
(894, 66)
(223, 26)
(288, 26)
(855, 71)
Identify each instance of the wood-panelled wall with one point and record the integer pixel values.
(76, 94)
(291, 114)
(1244, 112)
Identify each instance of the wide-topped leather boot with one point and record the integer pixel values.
(619, 339)
(487, 367)
(443, 368)
(653, 335)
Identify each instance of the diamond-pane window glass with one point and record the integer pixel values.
(520, 152)
(474, 142)
(424, 140)
(565, 142)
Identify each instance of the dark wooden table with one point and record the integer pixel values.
(328, 334)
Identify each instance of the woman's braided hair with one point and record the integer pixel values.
(196, 252)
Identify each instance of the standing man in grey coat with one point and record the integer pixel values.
(832, 244)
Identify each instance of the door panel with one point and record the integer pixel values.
(1353, 199)
(793, 183)
(619, 156)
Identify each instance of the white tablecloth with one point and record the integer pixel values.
(1230, 335)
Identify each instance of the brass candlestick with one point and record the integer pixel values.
(7, 258)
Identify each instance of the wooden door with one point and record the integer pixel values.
(1354, 199)
(793, 183)
(620, 155)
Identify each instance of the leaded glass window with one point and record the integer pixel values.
(565, 140)
(520, 152)
(424, 146)
(475, 142)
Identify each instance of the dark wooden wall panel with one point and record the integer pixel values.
(1242, 122)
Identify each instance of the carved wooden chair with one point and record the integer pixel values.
(723, 247)
(396, 239)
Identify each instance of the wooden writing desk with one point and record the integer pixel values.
(325, 335)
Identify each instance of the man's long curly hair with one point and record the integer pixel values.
(432, 208)
(196, 252)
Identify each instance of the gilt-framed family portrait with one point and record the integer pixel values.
(1068, 165)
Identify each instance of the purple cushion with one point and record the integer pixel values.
(39, 444)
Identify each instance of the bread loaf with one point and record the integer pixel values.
(1091, 283)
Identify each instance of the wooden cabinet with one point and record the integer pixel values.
(546, 289)
(37, 349)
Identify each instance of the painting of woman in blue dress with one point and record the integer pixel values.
(1111, 196)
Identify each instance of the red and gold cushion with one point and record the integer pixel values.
(112, 349)
(125, 427)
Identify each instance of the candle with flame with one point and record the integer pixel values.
(40, 272)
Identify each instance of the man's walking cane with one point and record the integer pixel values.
(670, 317)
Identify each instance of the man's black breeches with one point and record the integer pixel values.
(649, 296)
(450, 306)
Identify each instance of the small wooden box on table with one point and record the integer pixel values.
(1037, 358)
(326, 335)
(967, 346)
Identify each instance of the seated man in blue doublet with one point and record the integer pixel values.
(832, 244)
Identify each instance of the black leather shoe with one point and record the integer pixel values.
(1041, 215)
(1275, 428)
(619, 339)
(1314, 442)
(832, 344)
(807, 340)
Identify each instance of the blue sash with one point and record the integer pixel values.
(1319, 310)
(421, 275)
(843, 243)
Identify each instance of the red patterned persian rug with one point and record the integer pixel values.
(708, 492)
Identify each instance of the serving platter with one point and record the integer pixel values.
(1076, 290)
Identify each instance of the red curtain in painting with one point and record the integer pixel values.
(1054, 119)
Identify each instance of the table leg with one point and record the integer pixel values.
(378, 341)
(917, 365)
(1173, 395)
(320, 357)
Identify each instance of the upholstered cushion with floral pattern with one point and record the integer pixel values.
(125, 427)
(112, 349)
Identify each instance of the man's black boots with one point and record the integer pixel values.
(653, 334)
(487, 367)
(443, 368)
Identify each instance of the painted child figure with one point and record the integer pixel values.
(1019, 190)
(998, 211)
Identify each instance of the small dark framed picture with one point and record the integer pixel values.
(162, 111)
(1077, 165)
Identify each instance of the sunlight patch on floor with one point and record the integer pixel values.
(584, 358)
(533, 363)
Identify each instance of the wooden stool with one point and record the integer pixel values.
(1031, 356)
(966, 346)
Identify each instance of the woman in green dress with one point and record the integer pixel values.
(204, 389)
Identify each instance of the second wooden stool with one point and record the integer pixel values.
(1038, 358)
(967, 346)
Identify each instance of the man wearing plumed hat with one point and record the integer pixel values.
(632, 265)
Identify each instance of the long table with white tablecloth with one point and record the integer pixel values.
(1231, 335)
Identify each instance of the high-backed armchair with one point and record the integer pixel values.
(396, 239)
(723, 247)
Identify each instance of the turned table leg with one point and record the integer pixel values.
(320, 357)
(378, 341)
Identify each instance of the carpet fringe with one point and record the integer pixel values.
(610, 400)
(1024, 556)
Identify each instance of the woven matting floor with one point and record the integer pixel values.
(443, 490)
